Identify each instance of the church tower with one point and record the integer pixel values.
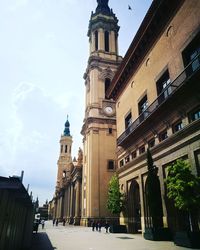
(64, 165)
(99, 128)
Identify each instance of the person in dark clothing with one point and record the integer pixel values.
(43, 223)
(57, 222)
(54, 221)
(106, 226)
(64, 221)
(93, 225)
(97, 225)
(35, 226)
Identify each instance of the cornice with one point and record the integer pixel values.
(103, 21)
(156, 150)
(149, 32)
(91, 120)
(96, 62)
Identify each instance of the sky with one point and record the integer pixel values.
(44, 50)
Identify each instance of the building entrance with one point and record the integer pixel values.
(134, 208)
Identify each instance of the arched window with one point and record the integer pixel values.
(96, 40)
(107, 84)
(64, 173)
(106, 34)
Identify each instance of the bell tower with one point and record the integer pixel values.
(64, 165)
(65, 152)
(99, 128)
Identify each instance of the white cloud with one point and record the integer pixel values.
(16, 4)
(21, 2)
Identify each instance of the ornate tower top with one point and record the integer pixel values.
(67, 126)
(103, 18)
(103, 7)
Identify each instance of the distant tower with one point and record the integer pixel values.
(64, 166)
(99, 128)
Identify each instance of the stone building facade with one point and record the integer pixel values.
(66, 203)
(99, 128)
(157, 94)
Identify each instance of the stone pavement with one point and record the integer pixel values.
(82, 238)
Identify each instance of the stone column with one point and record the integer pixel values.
(68, 202)
(101, 39)
(62, 204)
(112, 42)
(71, 203)
(77, 206)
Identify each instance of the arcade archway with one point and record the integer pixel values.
(134, 208)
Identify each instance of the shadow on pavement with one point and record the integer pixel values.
(40, 241)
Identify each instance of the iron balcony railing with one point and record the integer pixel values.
(171, 88)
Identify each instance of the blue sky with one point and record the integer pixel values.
(43, 55)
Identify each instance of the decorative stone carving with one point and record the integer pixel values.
(106, 73)
(80, 156)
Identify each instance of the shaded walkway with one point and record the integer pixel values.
(41, 241)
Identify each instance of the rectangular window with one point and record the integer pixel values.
(191, 55)
(121, 163)
(128, 120)
(163, 135)
(197, 160)
(151, 143)
(106, 40)
(107, 85)
(134, 154)
(177, 126)
(61, 148)
(141, 149)
(194, 114)
(127, 159)
(143, 104)
(163, 88)
(110, 131)
(96, 40)
(111, 165)
(65, 148)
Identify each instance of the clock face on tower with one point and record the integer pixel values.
(108, 110)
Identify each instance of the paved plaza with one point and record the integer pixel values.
(82, 238)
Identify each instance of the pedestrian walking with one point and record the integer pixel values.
(64, 221)
(56, 222)
(35, 226)
(106, 226)
(97, 223)
(99, 226)
(43, 223)
(93, 225)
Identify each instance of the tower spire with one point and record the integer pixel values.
(67, 128)
(103, 7)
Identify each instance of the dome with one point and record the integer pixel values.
(67, 128)
(103, 7)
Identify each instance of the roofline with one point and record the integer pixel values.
(147, 24)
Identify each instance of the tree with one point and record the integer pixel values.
(183, 187)
(153, 194)
(115, 202)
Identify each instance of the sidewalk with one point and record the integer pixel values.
(41, 241)
(82, 238)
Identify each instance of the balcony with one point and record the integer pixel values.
(191, 70)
